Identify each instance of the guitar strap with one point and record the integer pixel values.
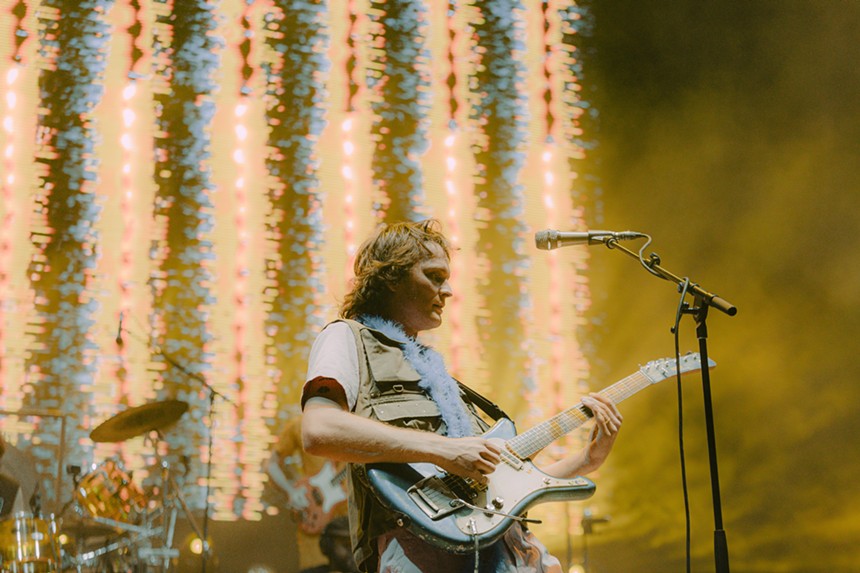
(489, 408)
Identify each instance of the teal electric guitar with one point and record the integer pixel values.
(459, 515)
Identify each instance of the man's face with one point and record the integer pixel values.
(418, 298)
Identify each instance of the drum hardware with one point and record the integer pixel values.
(145, 540)
(108, 492)
(158, 554)
(172, 501)
(88, 535)
(107, 525)
(84, 529)
(87, 557)
(213, 394)
(114, 521)
(122, 526)
(29, 544)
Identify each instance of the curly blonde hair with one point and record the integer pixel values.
(384, 259)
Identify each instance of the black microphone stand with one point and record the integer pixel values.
(213, 393)
(702, 301)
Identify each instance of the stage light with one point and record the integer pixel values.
(191, 555)
(196, 546)
(258, 568)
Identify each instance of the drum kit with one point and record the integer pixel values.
(110, 525)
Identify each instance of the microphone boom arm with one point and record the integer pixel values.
(653, 265)
(702, 301)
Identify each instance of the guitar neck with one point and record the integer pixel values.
(531, 442)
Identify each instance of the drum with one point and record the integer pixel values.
(29, 544)
(108, 492)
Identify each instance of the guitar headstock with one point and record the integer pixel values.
(658, 370)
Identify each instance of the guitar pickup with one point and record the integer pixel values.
(434, 497)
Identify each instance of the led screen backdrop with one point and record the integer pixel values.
(184, 185)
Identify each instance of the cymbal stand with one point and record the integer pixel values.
(213, 394)
(172, 500)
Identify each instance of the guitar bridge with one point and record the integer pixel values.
(441, 496)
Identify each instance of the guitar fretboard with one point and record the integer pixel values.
(529, 443)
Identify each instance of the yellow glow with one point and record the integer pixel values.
(241, 367)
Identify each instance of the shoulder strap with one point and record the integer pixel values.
(490, 408)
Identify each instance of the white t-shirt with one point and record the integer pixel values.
(334, 355)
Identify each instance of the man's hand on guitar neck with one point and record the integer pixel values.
(606, 415)
(606, 427)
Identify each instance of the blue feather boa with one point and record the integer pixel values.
(435, 380)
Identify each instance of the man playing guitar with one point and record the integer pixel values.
(376, 395)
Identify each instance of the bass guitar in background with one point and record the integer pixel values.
(312, 500)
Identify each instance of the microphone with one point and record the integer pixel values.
(551, 239)
(118, 338)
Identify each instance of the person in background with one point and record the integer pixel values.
(375, 393)
(312, 489)
(336, 546)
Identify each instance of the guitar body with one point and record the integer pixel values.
(329, 482)
(456, 514)
(430, 501)
(324, 493)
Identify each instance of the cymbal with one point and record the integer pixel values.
(139, 420)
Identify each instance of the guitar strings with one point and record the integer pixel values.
(531, 442)
(525, 445)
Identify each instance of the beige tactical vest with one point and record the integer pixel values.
(388, 392)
